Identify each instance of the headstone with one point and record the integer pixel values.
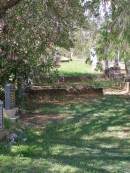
(1, 114)
(9, 96)
(57, 59)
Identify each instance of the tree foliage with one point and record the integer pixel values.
(32, 29)
(113, 33)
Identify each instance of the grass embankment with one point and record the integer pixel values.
(94, 137)
(78, 68)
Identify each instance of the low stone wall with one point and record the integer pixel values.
(3, 134)
(41, 92)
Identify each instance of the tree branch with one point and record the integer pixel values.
(7, 4)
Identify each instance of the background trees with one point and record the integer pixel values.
(30, 31)
(113, 32)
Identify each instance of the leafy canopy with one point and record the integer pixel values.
(34, 28)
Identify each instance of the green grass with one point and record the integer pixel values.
(94, 138)
(76, 68)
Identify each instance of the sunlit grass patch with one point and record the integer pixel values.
(76, 68)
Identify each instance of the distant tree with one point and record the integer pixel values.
(113, 30)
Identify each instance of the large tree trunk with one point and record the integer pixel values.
(106, 69)
(126, 68)
(7, 4)
(106, 64)
(2, 25)
(116, 62)
(4, 6)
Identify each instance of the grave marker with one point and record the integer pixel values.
(57, 59)
(9, 96)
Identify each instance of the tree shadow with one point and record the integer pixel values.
(95, 138)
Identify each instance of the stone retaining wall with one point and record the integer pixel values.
(36, 92)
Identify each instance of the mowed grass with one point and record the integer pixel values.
(76, 68)
(93, 138)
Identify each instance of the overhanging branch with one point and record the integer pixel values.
(7, 4)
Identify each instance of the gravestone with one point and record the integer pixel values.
(9, 97)
(10, 108)
(57, 59)
(1, 114)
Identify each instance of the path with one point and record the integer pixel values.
(123, 91)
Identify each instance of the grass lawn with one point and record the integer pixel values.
(94, 137)
(76, 68)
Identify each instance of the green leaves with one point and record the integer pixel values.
(35, 26)
(114, 30)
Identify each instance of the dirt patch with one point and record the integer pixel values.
(34, 117)
(40, 120)
(122, 89)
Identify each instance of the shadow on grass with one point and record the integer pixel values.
(94, 139)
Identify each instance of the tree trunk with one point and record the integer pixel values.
(2, 25)
(126, 69)
(106, 64)
(7, 4)
(116, 63)
(106, 68)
